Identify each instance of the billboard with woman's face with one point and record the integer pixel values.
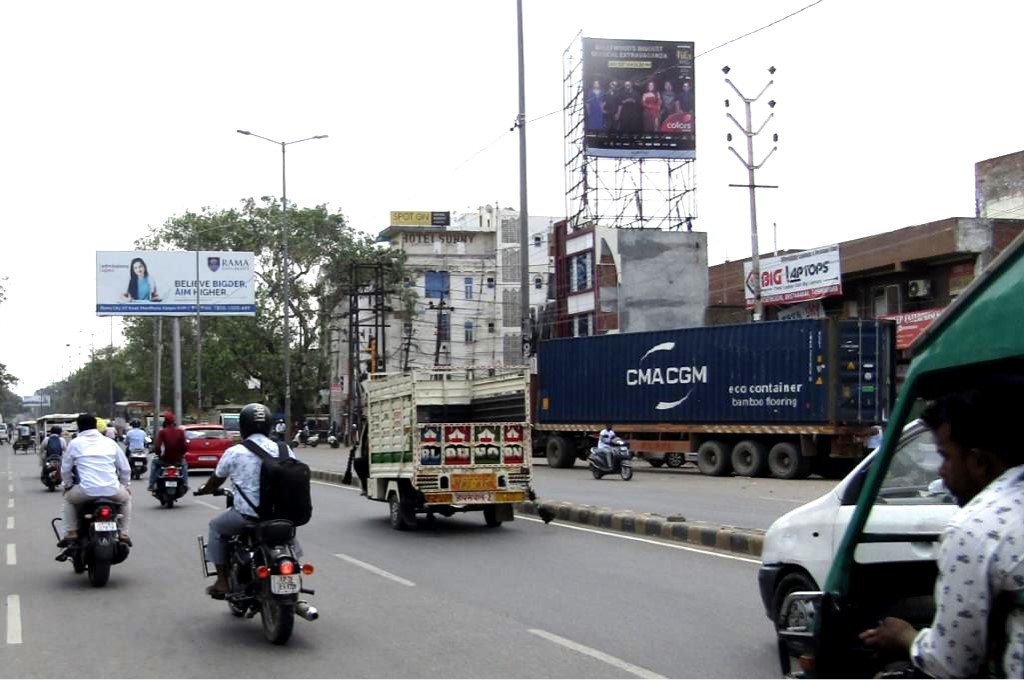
(639, 98)
(172, 283)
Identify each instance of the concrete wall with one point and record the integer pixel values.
(664, 279)
(999, 186)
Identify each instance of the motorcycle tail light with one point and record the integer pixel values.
(286, 568)
(171, 471)
(307, 569)
(262, 572)
(103, 512)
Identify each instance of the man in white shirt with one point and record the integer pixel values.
(103, 472)
(243, 467)
(981, 565)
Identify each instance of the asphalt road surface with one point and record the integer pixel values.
(450, 599)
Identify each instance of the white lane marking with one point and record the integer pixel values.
(632, 669)
(376, 570)
(644, 540)
(340, 486)
(209, 505)
(10, 522)
(10, 502)
(784, 500)
(13, 620)
(10, 488)
(12, 555)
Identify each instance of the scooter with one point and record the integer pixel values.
(98, 545)
(313, 440)
(50, 474)
(169, 485)
(264, 576)
(616, 458)
(333, 441)
(138, 461)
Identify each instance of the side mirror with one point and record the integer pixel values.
(795, 627)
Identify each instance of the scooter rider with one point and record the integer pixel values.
(136, 437)
(103, 471)
(170, 449)
(243, 467)
(604, 442)
(54, 445)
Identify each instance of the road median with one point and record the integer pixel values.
(651, 525)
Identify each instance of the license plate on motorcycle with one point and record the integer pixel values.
(207, 457)
(171, 485)
(104, 526)
(285, 585)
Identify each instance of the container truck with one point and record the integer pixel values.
(778, 397)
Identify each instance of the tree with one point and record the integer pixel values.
(6, 379)
(321, 248)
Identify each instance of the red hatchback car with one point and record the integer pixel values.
(205, 443)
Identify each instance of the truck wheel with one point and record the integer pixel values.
(786, 462)
(400, 515)
(560, 452)
(713, 458)
(491, 516)
(674, 460)
(750, 459)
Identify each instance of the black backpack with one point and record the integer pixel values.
(284, 486)
(53, 447)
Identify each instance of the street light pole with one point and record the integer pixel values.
(286, 274)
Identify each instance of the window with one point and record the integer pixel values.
(444, 327)
(887, 300)
(580, 272)
(490, 326)
(407, 329)
(468, 283)
(510, 264)
(470, 335)
(581, 326)
(437, 285)
(536, 241)
(490, 282)
(510, 308)
(538, 283)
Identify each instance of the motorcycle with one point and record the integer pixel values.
(138, 461)
(264, 575)
(333, 441)
(50, 473)
(313, 440)
(169, 485)
(98, 545)
(616, 458)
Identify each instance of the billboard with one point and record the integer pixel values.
(164, 283)
(414, 218)
(796, 277)
(638, 98)
(911, 324)
(36, 400)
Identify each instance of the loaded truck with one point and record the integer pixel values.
(449, 440)
(779, 398)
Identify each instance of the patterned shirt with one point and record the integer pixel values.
(981, 556)
(243, 466)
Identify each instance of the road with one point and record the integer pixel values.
(451, 599)
(734, 501)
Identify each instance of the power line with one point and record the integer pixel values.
(758, 30)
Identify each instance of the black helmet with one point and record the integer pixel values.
(135, 423)
(254, 418)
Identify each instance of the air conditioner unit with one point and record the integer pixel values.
(919, 288)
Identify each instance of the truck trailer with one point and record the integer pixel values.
(783, 398)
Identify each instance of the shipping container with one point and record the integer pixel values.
(823, 380)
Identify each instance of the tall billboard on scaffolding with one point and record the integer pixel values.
(638, 98)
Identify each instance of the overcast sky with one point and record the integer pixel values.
(118, 115)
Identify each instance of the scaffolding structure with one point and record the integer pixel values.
(624, 193)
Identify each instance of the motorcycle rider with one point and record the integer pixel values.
(136, 437)
(243, 467)
(170, 449)
(54, 445)
(604, 443)
(103, 471)
(279, 430)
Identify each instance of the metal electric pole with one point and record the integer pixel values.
(750, 133)
(524, 217)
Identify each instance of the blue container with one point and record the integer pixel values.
(771, 372)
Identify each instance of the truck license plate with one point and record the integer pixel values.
(482, 482)
(284, 585)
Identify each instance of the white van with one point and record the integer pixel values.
(5, 436)
(799, 546)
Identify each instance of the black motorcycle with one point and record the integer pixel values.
(264, 576)
(50, 473)
(615, 458)
(169, 485)
(98, 545)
